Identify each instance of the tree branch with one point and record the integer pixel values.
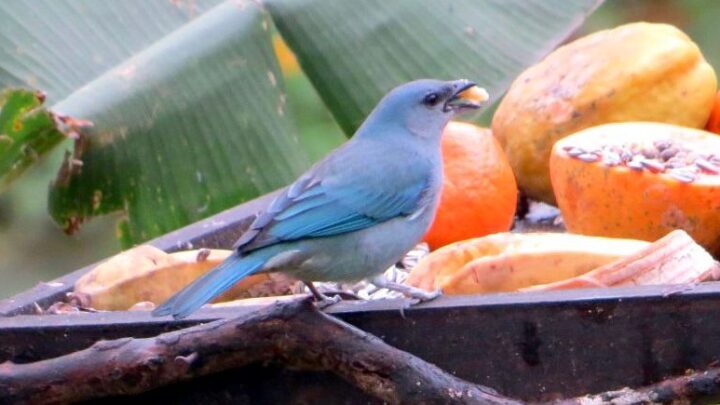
(293, 333)
(687, 389)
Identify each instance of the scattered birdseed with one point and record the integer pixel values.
(664, 156)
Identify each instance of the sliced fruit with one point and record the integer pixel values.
(511, 261)
(148, 274)
(635, 72)
(639, 180)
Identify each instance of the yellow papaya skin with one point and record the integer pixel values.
(635, 72)
(148, 274)
(511, 261)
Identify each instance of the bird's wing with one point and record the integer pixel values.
(311, 208)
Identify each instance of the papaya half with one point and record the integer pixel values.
(639, 180)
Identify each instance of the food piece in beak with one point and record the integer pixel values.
(475, 94)
(471, 97)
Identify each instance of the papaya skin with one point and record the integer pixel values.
(635, 72)
(713, 122)
(511, 261)
(148, 274)
(599, 200)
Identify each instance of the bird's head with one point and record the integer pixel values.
(425, 106)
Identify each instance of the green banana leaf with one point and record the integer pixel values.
(27, 131)
(189, 126)
(355, 51)
(187, 102)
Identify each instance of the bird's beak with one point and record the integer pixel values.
(466, 96)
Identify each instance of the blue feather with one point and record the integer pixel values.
(343, 227)
(322, 211)
(210, 285)
(300, 207)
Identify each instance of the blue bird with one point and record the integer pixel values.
(357, 211)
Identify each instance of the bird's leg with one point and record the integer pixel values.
(412, 292)
(322, 300)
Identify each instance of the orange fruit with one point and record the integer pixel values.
(639, 180)
(479, 194)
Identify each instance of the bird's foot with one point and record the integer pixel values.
(327, 302)
(322, 301)
(415, 293)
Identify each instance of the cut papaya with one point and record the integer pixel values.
(639, 180)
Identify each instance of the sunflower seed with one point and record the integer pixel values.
(662, 145)
(683, 176)
(635, 165)
(611, 159)
(707, 166)
(588, 157)
(668, 153)
(575, 152)
(649, 153)
(653, 165)
(674, 163)
(626, 156)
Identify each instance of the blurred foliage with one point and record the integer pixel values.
(697, 18)
(32, 248)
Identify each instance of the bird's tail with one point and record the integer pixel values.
(210, 285)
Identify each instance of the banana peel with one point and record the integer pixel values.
(513, 261)
(147, 274)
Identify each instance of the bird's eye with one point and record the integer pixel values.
(431, 99)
